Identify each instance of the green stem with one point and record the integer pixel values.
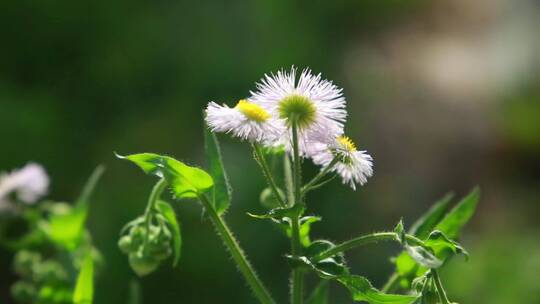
(320, 175)
(288, 179)
(363, 240)
(261, 160)
(238, 255)
(391, 283)
(90, 185)
(150, 206)
(297, 276)
(154, 195)
(440, 290)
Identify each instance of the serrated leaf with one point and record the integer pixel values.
(425, 224)
(84, 288)
(319, 246)
(319, 294)
(328, 268)
(222, 189)
(454, 221)
(362, 290)
(168, 212)
(444, 247)
(185, 181)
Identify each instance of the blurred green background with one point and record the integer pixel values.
(444, 94)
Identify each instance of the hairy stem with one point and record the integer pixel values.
(440, 290)
(297, 276)
(364, 240)
(261, 160)
(319, 176)
(237, 253)
(288, 179)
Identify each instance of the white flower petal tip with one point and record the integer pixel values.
(316, 104)
(30, 183)
(354, 167)
(246, 120)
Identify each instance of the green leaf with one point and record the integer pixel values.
(280, 213)
(222, 188)
(185, 181)
(327, 269)
(84, 288)
(168, 212)
(362, 290)
(400, 232)
(65, 226)
(305, 228)
(425, 224)
(444, 247)
(454, 221)
(268, 199)
(423, 256)
(319, 294)
(66, 229)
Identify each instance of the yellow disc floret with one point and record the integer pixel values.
(346, 143)
(252, 111)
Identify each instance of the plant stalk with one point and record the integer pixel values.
(237, 253)
(320, 175)
(267, 174)
(440, 289)
(152, 199)
(297, 275)
(364, 240)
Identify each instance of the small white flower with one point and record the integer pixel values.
(29, 184)
(246, 120)
(317, 105)
(352, 165)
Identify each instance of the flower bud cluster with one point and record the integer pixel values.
(42, 281)
(147, 244)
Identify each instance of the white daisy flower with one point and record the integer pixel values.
(29, 184)
(352, 165)
(246, 120)
(316, 104)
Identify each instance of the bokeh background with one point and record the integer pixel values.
(444, 94)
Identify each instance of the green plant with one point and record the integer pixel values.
(292, 121)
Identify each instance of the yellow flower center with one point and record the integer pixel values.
(252, 111)
(346, 143)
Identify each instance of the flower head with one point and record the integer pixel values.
(315, 105)
(246, 120)
(29, 183)
(352, 165)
